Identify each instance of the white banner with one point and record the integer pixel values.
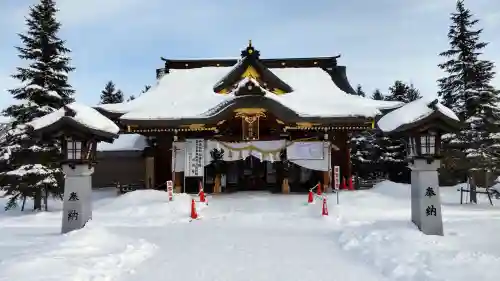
(195, 158)
(309, 150)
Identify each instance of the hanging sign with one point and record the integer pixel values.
(336, 176)
(312, 150)
(194, 165)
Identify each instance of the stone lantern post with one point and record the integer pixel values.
(422, 123)
(78, 128)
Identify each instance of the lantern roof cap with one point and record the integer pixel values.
(78, 117)
(416, 113)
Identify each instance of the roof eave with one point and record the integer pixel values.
(67, 124)
(436, 120)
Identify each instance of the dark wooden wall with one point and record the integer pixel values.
(341, 157)
(163, 159)
(124, 166)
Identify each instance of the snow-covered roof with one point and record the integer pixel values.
(188, 93)
(82, 114)
(413, 112)
(124, 142)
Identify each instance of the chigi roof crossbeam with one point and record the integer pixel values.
(251, 68)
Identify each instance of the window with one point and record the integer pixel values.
(74, 150)
(427, 144)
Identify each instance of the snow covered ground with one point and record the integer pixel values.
(254, 236)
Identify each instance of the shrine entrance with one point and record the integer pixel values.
(251, 174)
(252, 166)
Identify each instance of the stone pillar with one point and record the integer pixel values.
(178, 182)
(150, 172)
(425, 197)
(77, 204)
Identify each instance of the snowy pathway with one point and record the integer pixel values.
(253, 236)
(249, 236)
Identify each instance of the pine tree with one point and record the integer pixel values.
(146, 88)
(377, 95)
(110, 95)
(359, 91)
(366, 155)
(31, 167)
(467, 90)
(131, 98)
(412, 93)
(366, 151)
(402, 92)
(393, 149)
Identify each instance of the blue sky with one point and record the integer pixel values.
(123, 40)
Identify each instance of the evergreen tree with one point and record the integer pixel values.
(467, 90)
(366, 155)
(377, 95)
(131, 98)
(110, 95)
(400, 91)
(359, 91)
(30, 167)
(412, 93)
(146, 88)
(394, 149)
(366, 151)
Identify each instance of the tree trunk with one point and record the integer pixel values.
(37, 201)
(217, 183)
(486, 178)
(24, 203)
(45, 200)
(472, 190)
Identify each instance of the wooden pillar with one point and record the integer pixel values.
(285, 188)
(342, 157)
(150, 172)
(326, 179)
(163, 159)
(217, 184)
(345, 170)
(149, 168)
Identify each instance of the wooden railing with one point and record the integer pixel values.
(124, 188)
(367, 184)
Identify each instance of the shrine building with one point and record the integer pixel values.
(271, 124)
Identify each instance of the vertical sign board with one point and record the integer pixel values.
(170, 190)
(194, 165)
(336, 176)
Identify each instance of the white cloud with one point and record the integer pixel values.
(95, 12)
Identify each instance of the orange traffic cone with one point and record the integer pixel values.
(310, 198)
(324, 211)
(318, 191)
(351, 186)
(202, 194)
(194, 214)
(342, 185)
